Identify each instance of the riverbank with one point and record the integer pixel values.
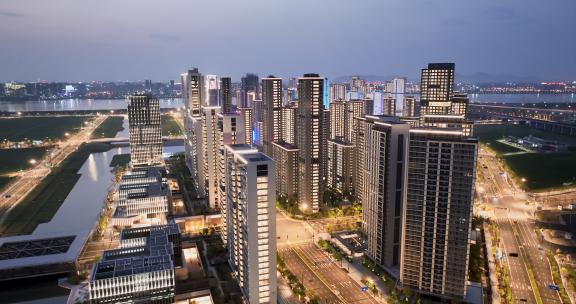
(40, 205)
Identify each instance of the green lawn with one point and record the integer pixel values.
(544, 171)
(109, 128)
(13, 160)
(39, 128)
(4, 180)
(42, 203)
(170, 127)
(541, 171)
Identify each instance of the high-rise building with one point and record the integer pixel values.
(193, 152)
(145, 130)
(389, 106)
(355, 109)
(286, 158)
(212, 91)
(249, 84)
(439, 107)
(310, 138)
(384, 193)
(398, 90)
(358, 140)
(340, 171)
(436, 88)
(378, 98)
(193, 96)
(271, 112)
(251, 225)
(192, 90)
(409, 109)
(337, 91)
(460, 105)
(289, 124)
(324, 143)
(438, 213)
(248, 124)
(230, 131)
(226, 94)
(338, 119)
(368, 106)
(210, 153)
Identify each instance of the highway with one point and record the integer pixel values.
(524, 253)
(30, 178)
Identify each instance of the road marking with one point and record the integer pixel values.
(296, 250)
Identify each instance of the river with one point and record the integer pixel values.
(115, 104)
(77, 215)
(523, 98)
(77, 104)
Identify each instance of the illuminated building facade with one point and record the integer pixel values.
(248, 124)
(310, 138)
(145, 130)
(340, 159)
(230, 131)
(271, 112)
(438, 213)
(251, 190)
(286, 158)
(210, 153)
(141, 270)
(409, 109)
(384, 193)
(289, 124)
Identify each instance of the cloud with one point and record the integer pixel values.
(10, 14)
(164, 37)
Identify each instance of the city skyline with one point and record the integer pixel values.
(104, 44)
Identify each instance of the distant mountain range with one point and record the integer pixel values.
(476, 78)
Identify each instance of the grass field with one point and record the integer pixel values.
(170, 127)
(39, 128)
(43, 202)
(13, 160)
(4, 181)
(109, 128)
(541, 171)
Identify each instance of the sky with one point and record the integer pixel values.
(85, 40)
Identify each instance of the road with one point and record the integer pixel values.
(322, 276)
(513, 214)
(30, 178)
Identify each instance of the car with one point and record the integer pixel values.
(513, 254)
(554, 287)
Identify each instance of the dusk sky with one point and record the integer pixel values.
(82, 40)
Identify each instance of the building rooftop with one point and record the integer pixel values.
(144, 249)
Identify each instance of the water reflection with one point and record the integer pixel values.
(77, 104)
(92, 169)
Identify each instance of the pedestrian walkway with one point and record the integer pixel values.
(491, 265)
